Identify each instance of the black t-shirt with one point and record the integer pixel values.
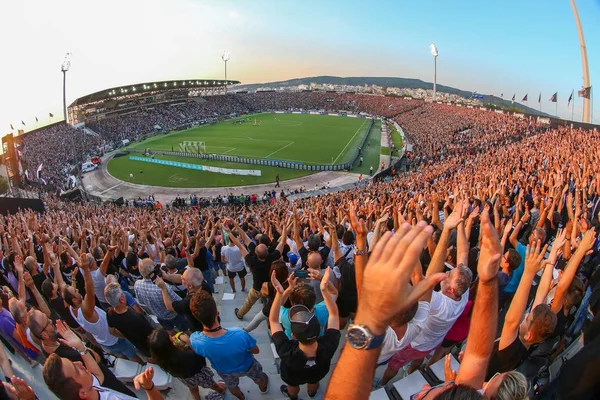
(63, 312)
(296, 368)
(38, 279)
(348, 292)
(182, 307)
(200, 261)
(185, 364)
(217, 252)
(110, 380)
(133, 326)
(579, 377)
(260, 269)
(508, 358)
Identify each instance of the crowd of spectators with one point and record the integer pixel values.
(61, 149)
(488, 248)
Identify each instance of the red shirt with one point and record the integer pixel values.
(460, 329)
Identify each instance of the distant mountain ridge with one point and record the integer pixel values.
(408, 83)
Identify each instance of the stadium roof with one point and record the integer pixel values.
(157, 86)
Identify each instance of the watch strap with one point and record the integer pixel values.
(376, 342)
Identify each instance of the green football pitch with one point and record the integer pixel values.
(305, 138)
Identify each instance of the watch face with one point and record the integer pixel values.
(357, 337)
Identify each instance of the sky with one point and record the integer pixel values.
(492, 47)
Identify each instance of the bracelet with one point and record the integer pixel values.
(147, 390)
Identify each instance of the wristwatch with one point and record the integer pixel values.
(360, 252)
(361, 338)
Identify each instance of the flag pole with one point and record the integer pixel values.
(573, 110)
(557, 108)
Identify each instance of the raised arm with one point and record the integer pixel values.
(484, 318)
(361, 257)
(70, 339)
(334, 316)
(281, 297)
(107, 258)
(439, 256)
(165, 294)
(386, 292)
(89, 301)
(243, 249)
(546, 279)
(41, 302)
(18, 263)
(516, 310)
(515, 233)
(566, 279)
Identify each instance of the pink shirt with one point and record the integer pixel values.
(460, 329)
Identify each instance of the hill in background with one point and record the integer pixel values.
(385, 82)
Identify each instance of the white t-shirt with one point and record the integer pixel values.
(443, 312)
(109, 394)
(392, 344)
(235, 262)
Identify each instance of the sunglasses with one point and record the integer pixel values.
(422, 395)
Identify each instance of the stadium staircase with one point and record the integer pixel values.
(88, 131)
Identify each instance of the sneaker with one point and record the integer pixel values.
(237, 315)
(284, 390)
(376, 383)
(267, 389)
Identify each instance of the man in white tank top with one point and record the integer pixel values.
(93, 319)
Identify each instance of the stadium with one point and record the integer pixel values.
(326, 237)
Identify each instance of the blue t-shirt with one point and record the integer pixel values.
(320, 312)
(228, 353)
(129, 299)
(513, 284)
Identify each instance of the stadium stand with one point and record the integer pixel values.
(484, 196)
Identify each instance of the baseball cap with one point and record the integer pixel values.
(293, 257)
(305, 325)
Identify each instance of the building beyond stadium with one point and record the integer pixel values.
(121, 100)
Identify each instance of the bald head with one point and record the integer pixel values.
(18, 310)
(314, 260)
(262, 252)
(146, 267)
(192, 279)
(31, 264)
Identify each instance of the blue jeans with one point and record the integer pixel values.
(178, 322)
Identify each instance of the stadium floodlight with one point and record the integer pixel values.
(434, 53)
(225, 57)
(66, 65)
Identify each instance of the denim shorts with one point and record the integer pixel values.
(178, 322)
(122, 347)
(232, 379)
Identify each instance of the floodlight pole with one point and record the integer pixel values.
(434, 77)
(64, 68)
(225, 58)
(584, 62)
(64, 94)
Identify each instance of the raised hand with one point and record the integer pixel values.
(588, 240)
(325, 284)
(386, 289)
(85, 261)
(276, 284)
(491, 250)
(534, 256)
(19, 388)
(456, 217)
(144, 380)
(69, 338)
(18, 263)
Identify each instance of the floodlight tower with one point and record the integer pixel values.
(64, 68)
(434, 53)
(584, 62)
(225, 57)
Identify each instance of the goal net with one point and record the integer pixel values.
(192, 146)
